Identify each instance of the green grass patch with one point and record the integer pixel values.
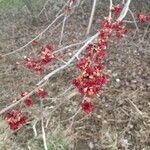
(12, 4)
(8, 4)
(55, 143)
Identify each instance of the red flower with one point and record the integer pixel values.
(28, 101)
(117, 25)
(142, 17)
(37, 65)
(23, 120)
(48, 47)
(29, 62)
(34, 65)
(76, 82)
(92, 77)
(102, 44)
(40, 69)
(24, 93)
(82, 63)
(89, 47)
(106, 24)
(46, 58)
(89, 55)
(104, 79)
(15, 119)
(46, 53)
(93, 90)
(100, 55)
(105, 33)
(116, 9)
(118, 34)
(13, 125)
(99, 67)
(87, 107)
(89, 70)
(41, 93)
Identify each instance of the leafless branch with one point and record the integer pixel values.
(43, 130)
(38, 36)
(43, 81)
(110, 10)
(20, 100)
(137, 28)
(124, 11)
(70, 61)
(91, 17)
(62, 30)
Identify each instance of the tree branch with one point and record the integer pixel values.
(91, 18)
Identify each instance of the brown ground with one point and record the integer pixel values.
(121, 120)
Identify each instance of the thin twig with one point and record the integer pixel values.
(69, 46)
(43, 8)
(34, 128)
(43, 130)
(42, 82)
(68, 97)
(91, 17)
(120, 18)
(70, 61)
(20, 100)
(62, 8)
(146, 30)
(139, 112)
(72, 117)
(62, 30)
(110, 10)
(137, 28)
(124, 11)
(38, 36)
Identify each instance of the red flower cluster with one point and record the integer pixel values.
(143, 18)
(88, 107)
(92, 76)
(28, 101)
(108, 28)
(15, 119)
(41, 92)
(116, 9)
(34, 65)
(89, 82)
(46, 56)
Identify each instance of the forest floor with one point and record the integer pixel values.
(121, 119)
